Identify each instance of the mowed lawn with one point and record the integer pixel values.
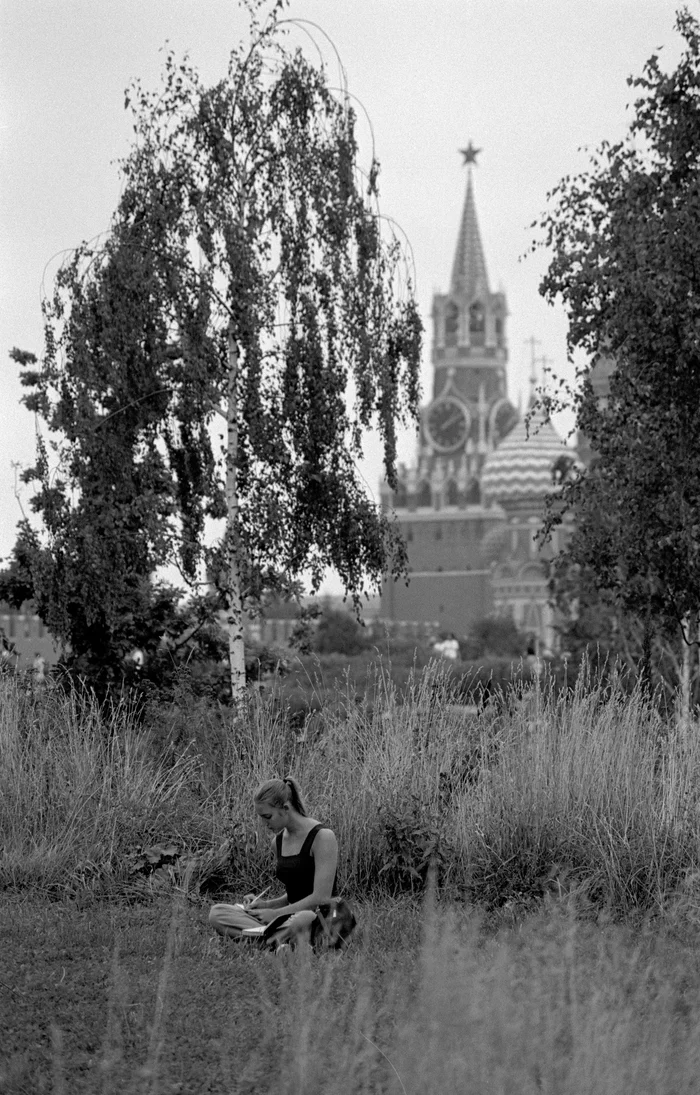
(144, 999)
(116, 998)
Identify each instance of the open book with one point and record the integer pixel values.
(266, 930)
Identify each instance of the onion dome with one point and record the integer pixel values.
(522, 470)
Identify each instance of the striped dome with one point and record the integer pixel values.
(521, 467)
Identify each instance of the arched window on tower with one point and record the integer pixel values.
(477, 324)
(474, 493)
(424, 495)
(533, 529)
(451, 493)
(451, 324)
(400, 497)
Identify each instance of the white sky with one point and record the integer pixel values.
(529, 81)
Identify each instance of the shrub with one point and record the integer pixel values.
(494, 637)
(338, 632)
(413, 844)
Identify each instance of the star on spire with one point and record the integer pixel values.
(470, 153)
(469, 278)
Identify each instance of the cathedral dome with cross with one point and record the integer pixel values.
(527, 464)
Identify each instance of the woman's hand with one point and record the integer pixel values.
(265, 916)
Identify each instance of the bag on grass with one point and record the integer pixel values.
(330, 929)
(333, 926)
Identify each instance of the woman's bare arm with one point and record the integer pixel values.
(325, 853)
(269, 903)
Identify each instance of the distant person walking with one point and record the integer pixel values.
(448, 647)
(39, 669)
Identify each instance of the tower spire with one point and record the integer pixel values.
(469, 277)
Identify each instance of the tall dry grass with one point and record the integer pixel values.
(589, 791)
(78, 788)
(591, 787)
(556, 1006)
(595, 782)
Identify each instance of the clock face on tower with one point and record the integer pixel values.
(447, 424)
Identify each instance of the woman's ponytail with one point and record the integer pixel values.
(279, 792)
(295, 795)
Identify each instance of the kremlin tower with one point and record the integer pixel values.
(472, 501)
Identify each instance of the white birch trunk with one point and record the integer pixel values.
(688, 639)
(234, 601)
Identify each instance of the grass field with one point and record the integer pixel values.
(144, 1000)
(557, 950)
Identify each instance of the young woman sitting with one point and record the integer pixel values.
(307, 860)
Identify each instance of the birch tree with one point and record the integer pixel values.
(273, 324)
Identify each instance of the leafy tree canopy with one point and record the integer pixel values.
(625, 241)
(339, 632)
(220, 356)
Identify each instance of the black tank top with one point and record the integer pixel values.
(296, 872)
